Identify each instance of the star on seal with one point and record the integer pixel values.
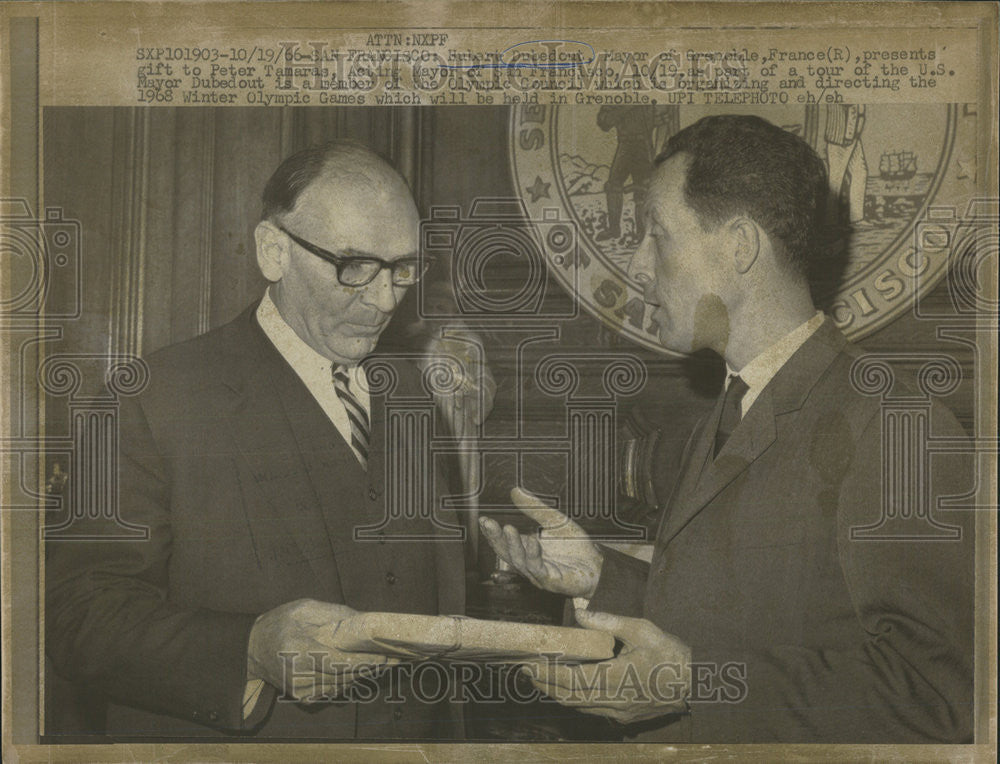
(538, 189)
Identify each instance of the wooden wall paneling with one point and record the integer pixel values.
(193, 177)
(470, 154)
(425, 156)
(369, 125)
(314, 126)
(129, 184)
(355, 123)
(286, 140)
(403, 139)
(95, 214)
(77, 179)
(381, 120)
(77, 151)
(160, 204)
(247, 145)
(810, 127)
(78, 158)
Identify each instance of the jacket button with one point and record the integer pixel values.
(397, 714)
(390, 578)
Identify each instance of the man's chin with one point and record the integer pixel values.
(670, 342)
(354, 351)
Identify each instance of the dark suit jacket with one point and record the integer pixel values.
(251, 497)
(807, 634)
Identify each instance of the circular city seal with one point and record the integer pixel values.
(901, 176)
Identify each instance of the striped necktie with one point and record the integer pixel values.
(356, 414)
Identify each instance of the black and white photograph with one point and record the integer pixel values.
(373, 389)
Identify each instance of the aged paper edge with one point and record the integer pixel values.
(817, 14)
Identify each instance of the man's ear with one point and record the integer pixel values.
(746, 243)
(272, 250)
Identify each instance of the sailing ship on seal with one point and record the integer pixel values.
(897, 165)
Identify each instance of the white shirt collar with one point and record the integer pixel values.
(762, 369)
(289, 344)
(314, 369)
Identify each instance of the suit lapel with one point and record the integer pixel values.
(702, 454)
(311, 479)
(341, 486)
(787, 391)
(711, 475)
(376, 451)
(264, 438)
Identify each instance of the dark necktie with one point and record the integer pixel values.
(356, 414)
(731, 411)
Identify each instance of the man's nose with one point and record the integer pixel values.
(640, 267)
(381, 293)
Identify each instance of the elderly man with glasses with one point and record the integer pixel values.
(252, 457)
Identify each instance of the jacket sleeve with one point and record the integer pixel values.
(622, 585)
(909, 677)
(621, 588)
(109, 623)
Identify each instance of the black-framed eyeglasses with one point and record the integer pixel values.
(359, 270)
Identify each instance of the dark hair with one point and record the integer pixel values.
(299, 170)
(744, 165)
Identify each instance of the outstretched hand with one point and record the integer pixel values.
(561, 559)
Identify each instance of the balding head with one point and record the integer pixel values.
(341, 160)
(344, 199)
